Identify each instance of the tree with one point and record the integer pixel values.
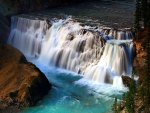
(144, 13)
(137, 15)
(145, 86)
(130, 97)
(146, 81)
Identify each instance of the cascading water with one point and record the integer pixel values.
(100, 54)
(96, 56)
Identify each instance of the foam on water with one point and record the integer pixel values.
(74, 94)
(99, 54)
(84, 63)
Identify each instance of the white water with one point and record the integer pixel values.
(99, 54)
(72, 93)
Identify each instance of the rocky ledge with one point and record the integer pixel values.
(21, 83)
(126, 81)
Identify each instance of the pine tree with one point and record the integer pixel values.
(144, 7)
(147, 74)
(142, 15)
(146, 81)
(137, 15)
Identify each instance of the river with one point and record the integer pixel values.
(83, 49)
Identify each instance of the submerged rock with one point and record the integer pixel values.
(21, 83)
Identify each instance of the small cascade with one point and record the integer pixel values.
(100, 54)
(117, 82)
(109, 34)
(115, 61)
(27, 35)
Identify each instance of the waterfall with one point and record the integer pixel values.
(27, 35)
(100, 54)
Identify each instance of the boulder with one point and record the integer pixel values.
(22, 84)
(126, 81)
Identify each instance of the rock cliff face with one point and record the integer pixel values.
(139, 68)
(21, 83)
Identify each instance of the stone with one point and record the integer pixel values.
(22, 84)
(126, 81)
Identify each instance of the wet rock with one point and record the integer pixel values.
(21, 83)
(126, 81)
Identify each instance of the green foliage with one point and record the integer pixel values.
(142, 13)
(146, 81)
(119, 107)
(137, 15)
(130, 97)
(114, 107)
